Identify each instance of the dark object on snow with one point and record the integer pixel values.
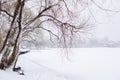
(21, 73)
(23, 52)
(17, 69)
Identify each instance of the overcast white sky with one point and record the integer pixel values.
(108, 23)
(109, 28)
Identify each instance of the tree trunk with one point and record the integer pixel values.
(10, 50)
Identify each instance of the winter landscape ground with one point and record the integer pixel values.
(79, 64)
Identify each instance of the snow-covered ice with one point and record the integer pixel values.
(79, 64)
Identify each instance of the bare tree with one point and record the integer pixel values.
(57, 17)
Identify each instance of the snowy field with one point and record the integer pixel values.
(79, 64)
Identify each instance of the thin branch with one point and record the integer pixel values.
(31, 29)
(49, 31)
(4, 11)
(39, 15)
(64, 23)
(103, 8)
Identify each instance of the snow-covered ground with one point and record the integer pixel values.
(79, 64)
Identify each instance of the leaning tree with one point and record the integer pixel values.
(62, 19)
